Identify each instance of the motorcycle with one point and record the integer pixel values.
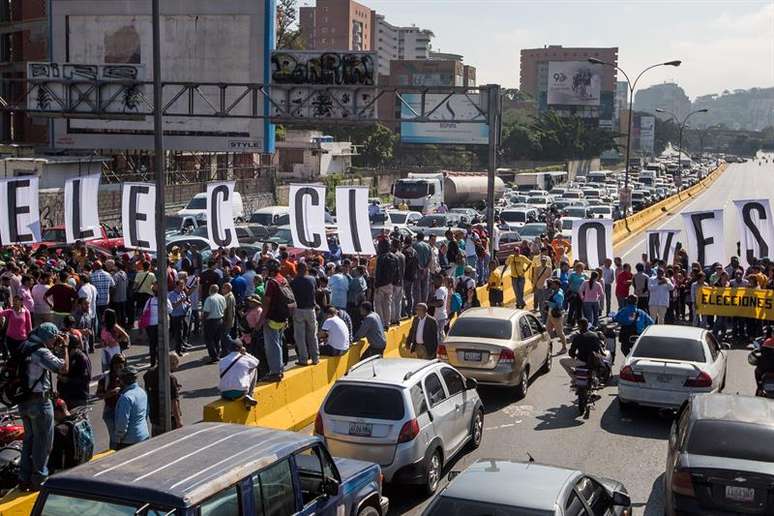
(10, 430)
(765, 386)
(587, 381)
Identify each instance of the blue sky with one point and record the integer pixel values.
(724, 44)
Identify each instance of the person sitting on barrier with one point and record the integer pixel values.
(238, 375)
(334, 334)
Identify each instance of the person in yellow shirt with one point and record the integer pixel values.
(495, 284)
(403, 206)
(519, 265)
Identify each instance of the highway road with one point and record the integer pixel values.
(630, 448)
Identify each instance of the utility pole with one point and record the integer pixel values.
(164, 401)
(493, 116)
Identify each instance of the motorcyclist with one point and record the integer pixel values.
(766, 360)
(586, 350)
(632, 321)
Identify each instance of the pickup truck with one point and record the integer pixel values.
(216, 469)
(108, 239)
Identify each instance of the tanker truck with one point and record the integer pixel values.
(425, 192)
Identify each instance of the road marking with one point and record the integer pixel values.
(509, 425)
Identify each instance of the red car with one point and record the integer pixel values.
(110, 239)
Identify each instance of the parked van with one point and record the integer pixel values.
(271, 216)
(197, 207)
(210, 469)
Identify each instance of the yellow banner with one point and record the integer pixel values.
(736, 302)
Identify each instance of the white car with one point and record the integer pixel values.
(668, 363)
(517, 218)
(601, 212)
(403, 218)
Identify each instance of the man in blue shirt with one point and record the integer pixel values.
(574, 302)
(238, 285)
(555, 313)
(180, 305)
(372, 329)
(131, 416)
(633, 322)
(339, 284)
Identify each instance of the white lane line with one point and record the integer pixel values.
(509, 425)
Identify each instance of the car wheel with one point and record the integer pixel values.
(523, 387)
(477, 430)
(368, 511)
(433, 471)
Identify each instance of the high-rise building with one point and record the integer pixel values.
(24, 30)
(337, 25)
(621, 99)
(534, 79)
(399, 43)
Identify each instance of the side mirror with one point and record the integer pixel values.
(621, 499)
(471, 384)
(330, 486)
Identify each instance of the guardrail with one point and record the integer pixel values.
(292, 404)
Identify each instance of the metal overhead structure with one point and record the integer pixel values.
(129, 99)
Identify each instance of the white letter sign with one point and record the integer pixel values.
(81, 208)
(352, 220)
(307, 217)
(138, 209)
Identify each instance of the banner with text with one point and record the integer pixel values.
(138, 216)
(704, 230)
(81, 209)
(755, 228)
(352, 220)
(220, 215)
(662, 244)
(750, 303)
(19, 214)
(592, 241)
(307, 217)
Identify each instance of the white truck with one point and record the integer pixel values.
(425, 192)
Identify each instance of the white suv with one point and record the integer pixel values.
(409, 416)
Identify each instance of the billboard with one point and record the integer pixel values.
(228, 41)
(457, 107)
(348, 81)
(573, 83)
(647, 134)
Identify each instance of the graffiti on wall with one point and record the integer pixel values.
(93, 86)
(319, 85)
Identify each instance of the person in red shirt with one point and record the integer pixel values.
(62, 298)
(623, 283)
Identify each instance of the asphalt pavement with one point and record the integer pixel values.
(631, 448)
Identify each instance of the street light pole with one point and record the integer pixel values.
(632, 86)
(683, 124)
(164, 401)
(493, 115)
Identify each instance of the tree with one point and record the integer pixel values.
(379, 146)
(288, 32)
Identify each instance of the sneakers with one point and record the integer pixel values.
(250, 401)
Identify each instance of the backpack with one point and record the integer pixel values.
(283, 306)
(82, 435)
(14, 376)
(456, 302)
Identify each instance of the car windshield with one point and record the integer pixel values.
(530, 231)
(282, 236)
(731, 440)
(365, 401)
(264, 219)
(576, 212)
(572, 195)
(480, 327)
(537, 200)
(514, 216)
(171, 222)
(448, 506)
(398, 218)
(61, 505)
(197, 203)
(601, 209)
(669, 348)
(567, 223)
(411, 189)
(54, 235)
(431, 221)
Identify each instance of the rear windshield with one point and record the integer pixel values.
(480, 327)
(366, 402)
(731, 440)
(514, 216)
(61, 505)
(669, 348)
(448, 506)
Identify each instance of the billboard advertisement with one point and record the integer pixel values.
(197, 46)
(647, 134)
(350, 80)
(574, 83)
(449, 129)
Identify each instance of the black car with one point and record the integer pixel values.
(720, 461)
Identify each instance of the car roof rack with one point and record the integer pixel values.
(415, 371)
(361, 363)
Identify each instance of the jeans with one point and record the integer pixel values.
(153, 343)
(591, 312)
(383, 303)
(518, 290)
(574, 307)
(213, 334)
(272, 342)
(472, 260)
(38, 420)
(176, 323)
(305, 334)
(608, 298)
(98, 321)
(120, 309)
(408, 292)
(421, 288)
(397, 303)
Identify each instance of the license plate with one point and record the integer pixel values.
(740, 494)
(663, 378)
(472, 356)
(361, 429)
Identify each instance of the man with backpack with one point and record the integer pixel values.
(31, 370)
(278, 304)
